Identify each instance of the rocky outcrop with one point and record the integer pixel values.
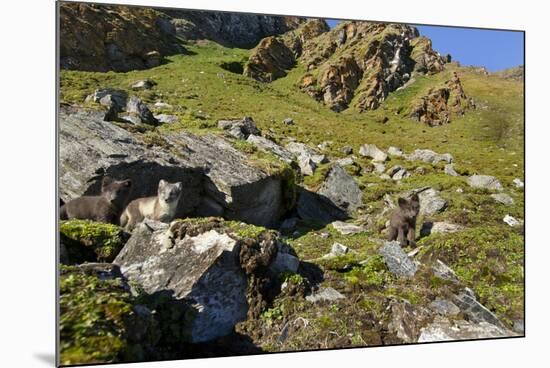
(437, 106)
(426, 60)
(239, 129)
(429, 156)
(516, 73)
(97, 37)
(229, 29)
(217, 178)
(207, 265)
(274, 56)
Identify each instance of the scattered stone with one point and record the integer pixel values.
(138, 110)
(379, 167)
(430, 202)
(397, 260)
(267, 145)
(401, 173)
(162, 105)
(285, 262)
(444, 330)
(319, 159)
(511, 221)
(518, 183)
(406, 319)
(484, 181)
(118, 96)
(240, 129)
(429, 156)
(166, 119)
(450, 170)
(429, 227)
(503, 198)
(444, 307)
(336, 250)
(395, 151)
(288, 121)
(324, 294)
(347, 161)
(143, 84)
(302, 151)
(443, 271)
(347, 150)
(459, 190)
(323, 146)
(474, 310)
(519, 326)
(307, 166)
(345, 228)
(342, 190)
(371, 151)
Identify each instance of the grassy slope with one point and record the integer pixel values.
(488, 140)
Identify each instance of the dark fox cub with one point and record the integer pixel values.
(106, 207)
(403, 221)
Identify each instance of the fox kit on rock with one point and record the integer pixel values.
(161, 207)
(105, 207)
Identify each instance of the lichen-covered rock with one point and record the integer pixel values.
(371, 151)
(437, 106)
(240, 129)
(88, 241)
(97, 37)
(503, 198)
(429, 156)
(431, 202)
(100, 321)
(407, 320)
(474, 310)
(484, 181)
(429, 227)
(215, 175)
(341, 190)
(444, 330)
(397, 260)
(207, 264)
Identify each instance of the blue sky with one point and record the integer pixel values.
(494, 50)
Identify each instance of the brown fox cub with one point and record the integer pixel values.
(162, 207)
(403, 221)
(105, 207)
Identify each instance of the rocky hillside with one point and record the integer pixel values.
(292, 156)
(97, 37)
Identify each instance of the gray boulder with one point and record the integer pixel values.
(347, 161)
(346, 228)
(117, 96)
(430, 201)
(474, 310)
(443, 271)
(429, 156)
(240, 129)
(204, 265)
(217, 179)
(143, 84)
(166, 118)
(307, 166)
(444, 307)
(429, 227)
(518, 183)
(450, 170)
(136, 109)
(324, 294)
(406, 320)
(288, 121)
(444, 330)
(302, 151)
(371, 151)
(395, 151)
(512, 221)
(269, 146)
(484, 181)
(341, 190)
(336, 250)
(397, 260)
(503, 198)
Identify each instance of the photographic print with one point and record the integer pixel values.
(237, 184)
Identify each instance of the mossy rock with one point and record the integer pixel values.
(91, 241)
(92, 317)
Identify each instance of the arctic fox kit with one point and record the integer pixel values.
(162, 207)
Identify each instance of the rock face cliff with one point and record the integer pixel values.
(100, 38)
(355, 64)
(96, 37)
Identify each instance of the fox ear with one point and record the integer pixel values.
(402, 203)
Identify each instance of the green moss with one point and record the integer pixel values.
(371, 274)
(246, 230)
(85, 238)
(92, 318)
(244, 146)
